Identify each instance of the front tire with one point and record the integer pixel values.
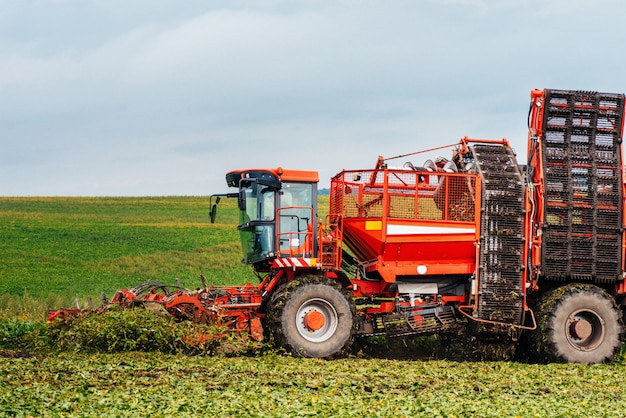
(312, 317)
(578, 323)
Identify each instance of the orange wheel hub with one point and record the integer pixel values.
(314, 320)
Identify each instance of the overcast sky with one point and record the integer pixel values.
(163, 97)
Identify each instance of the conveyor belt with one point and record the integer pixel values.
(580, 145)
(500, 272)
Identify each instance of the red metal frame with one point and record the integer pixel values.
(390, 219)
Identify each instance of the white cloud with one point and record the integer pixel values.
(112, 97)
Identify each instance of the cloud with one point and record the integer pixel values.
(112, 97)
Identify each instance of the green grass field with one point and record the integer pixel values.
(54, 250)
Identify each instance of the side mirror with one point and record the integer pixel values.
(241, 201)
(213, 213)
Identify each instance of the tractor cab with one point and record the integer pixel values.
(277, 213)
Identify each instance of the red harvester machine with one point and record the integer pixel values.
(478, 242)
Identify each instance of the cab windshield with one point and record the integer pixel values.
(260, 203)
(276, 220)
(257, 221)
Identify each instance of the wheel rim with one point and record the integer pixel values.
(316, 320)
(585, 330)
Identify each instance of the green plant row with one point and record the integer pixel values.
(149, 384)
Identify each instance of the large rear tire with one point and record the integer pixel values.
(312, 317)
(578, 323)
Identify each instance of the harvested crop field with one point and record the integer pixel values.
(56, 250)
(153, 384)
